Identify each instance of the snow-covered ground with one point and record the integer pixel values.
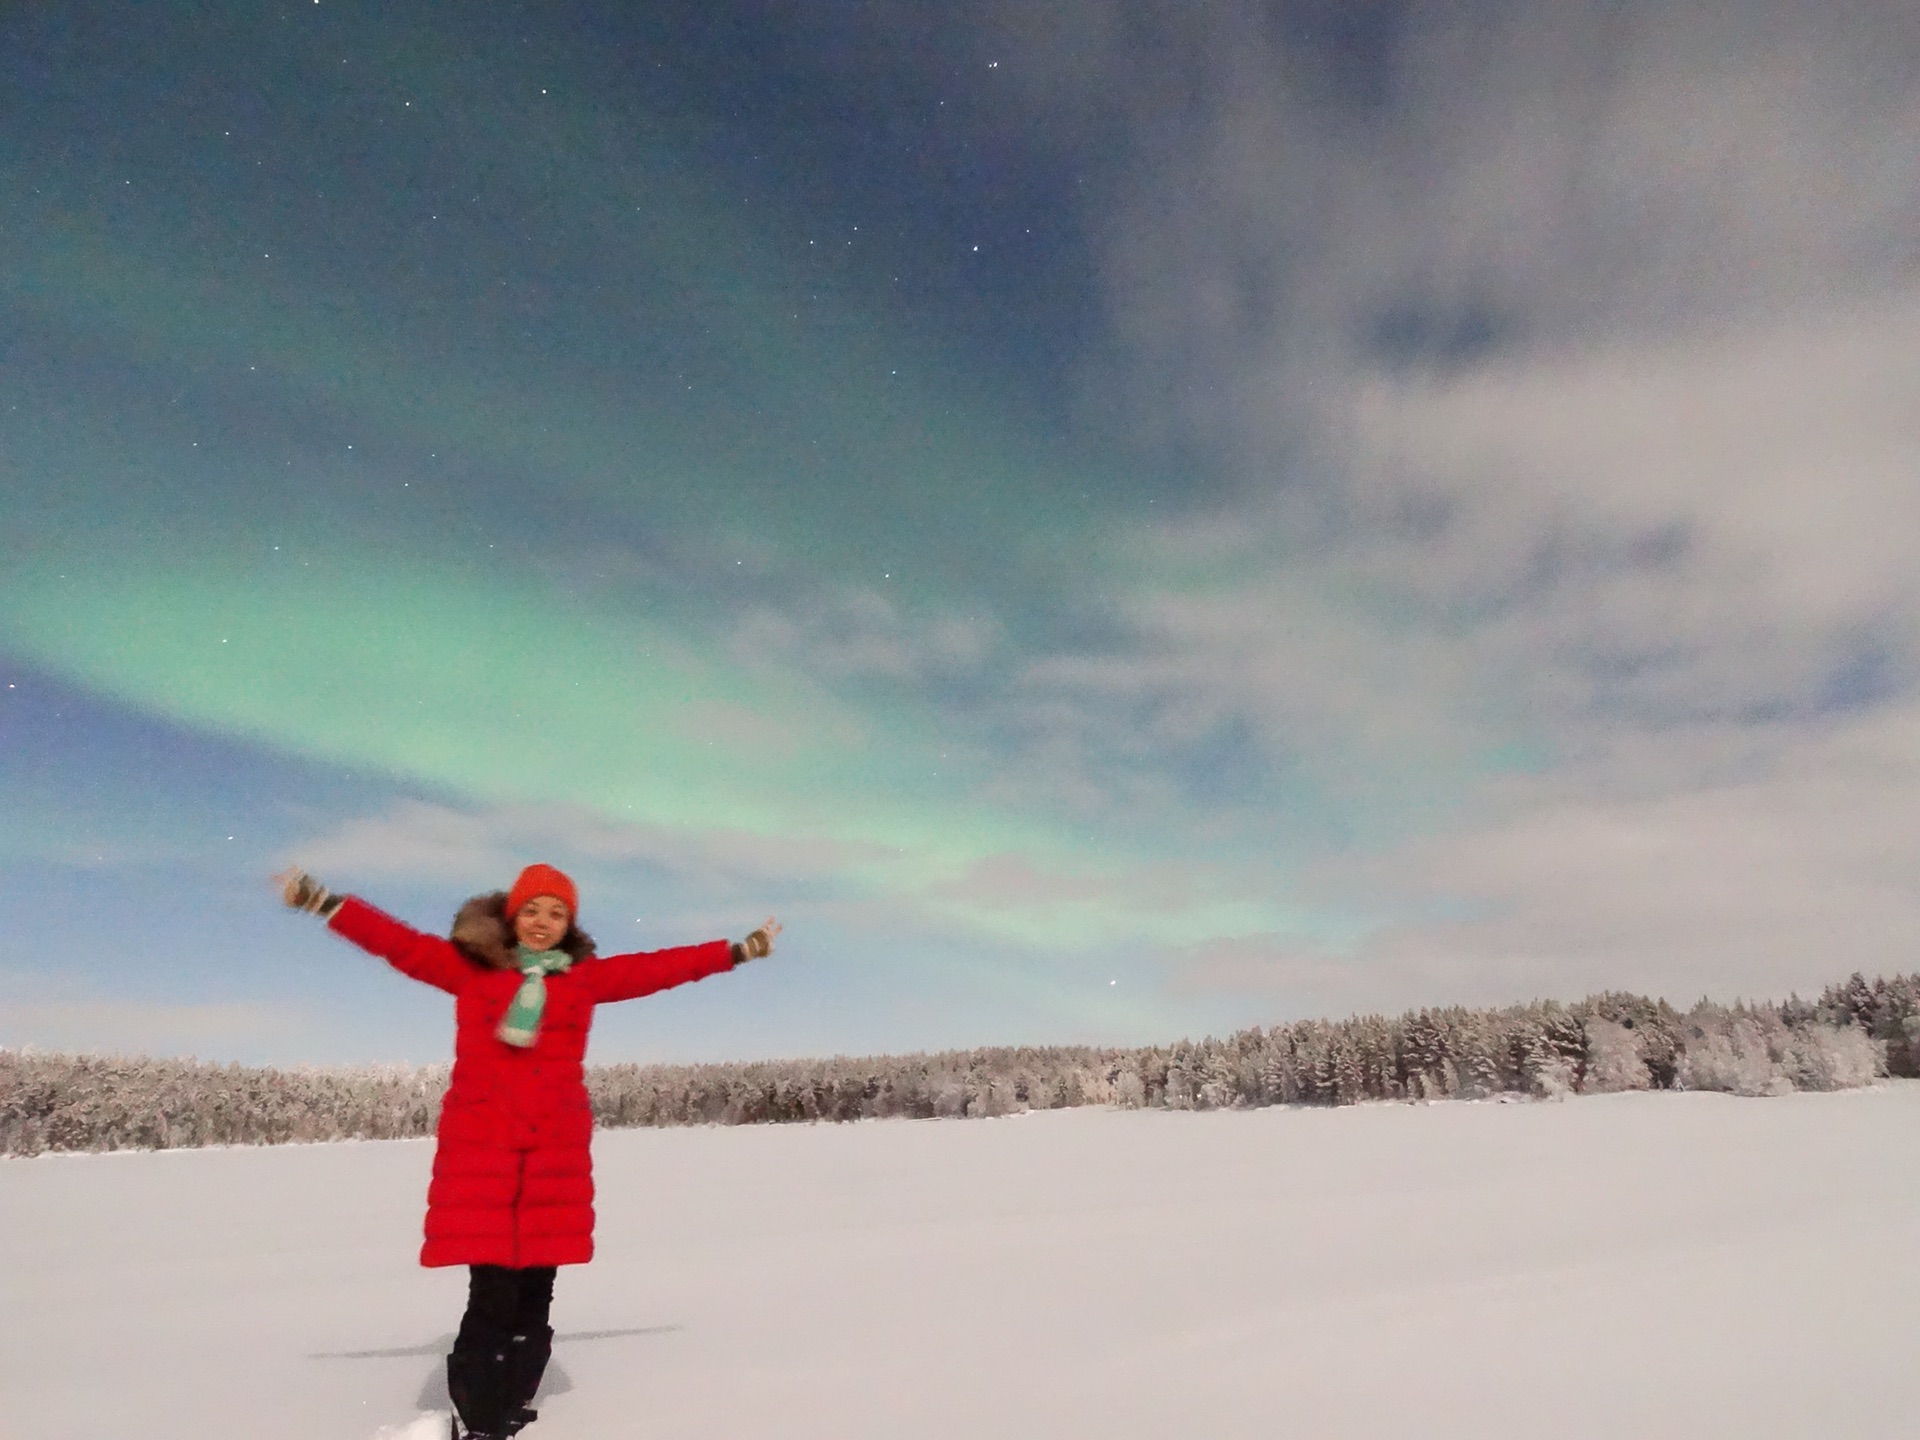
(1631, 1265)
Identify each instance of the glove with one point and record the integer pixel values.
(757, 945)
(302, 892)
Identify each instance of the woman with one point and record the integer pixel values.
(512, 1189)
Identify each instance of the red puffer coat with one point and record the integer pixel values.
(513, 1171)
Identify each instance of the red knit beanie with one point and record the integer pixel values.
(542, 880)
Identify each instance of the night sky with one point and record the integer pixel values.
(1116, 521)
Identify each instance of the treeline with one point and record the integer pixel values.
(91, 1102)
(1854, 1032)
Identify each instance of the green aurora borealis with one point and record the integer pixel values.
(400, 417)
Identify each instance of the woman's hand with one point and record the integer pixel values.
(758, 945)
(302, 892)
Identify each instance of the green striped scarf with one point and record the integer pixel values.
(522, 1023)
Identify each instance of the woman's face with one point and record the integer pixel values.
(542, 922)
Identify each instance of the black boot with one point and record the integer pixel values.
(478, 1384)
(527, 1357)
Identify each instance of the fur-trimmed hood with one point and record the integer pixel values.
(483, 935)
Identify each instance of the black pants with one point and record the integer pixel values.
(502, 1348)
(504, 1302)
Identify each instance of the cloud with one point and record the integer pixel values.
(1560, 371)
(1718, 524)
(1426, 185)
(1783, 881)
(854, 632)
(1554, 376)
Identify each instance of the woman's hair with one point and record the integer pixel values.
(483, 932)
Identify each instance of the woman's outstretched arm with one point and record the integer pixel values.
(427, 958)
(626, 977)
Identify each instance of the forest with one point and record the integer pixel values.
(1855, 1032)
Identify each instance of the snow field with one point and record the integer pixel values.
(1639, 1264)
